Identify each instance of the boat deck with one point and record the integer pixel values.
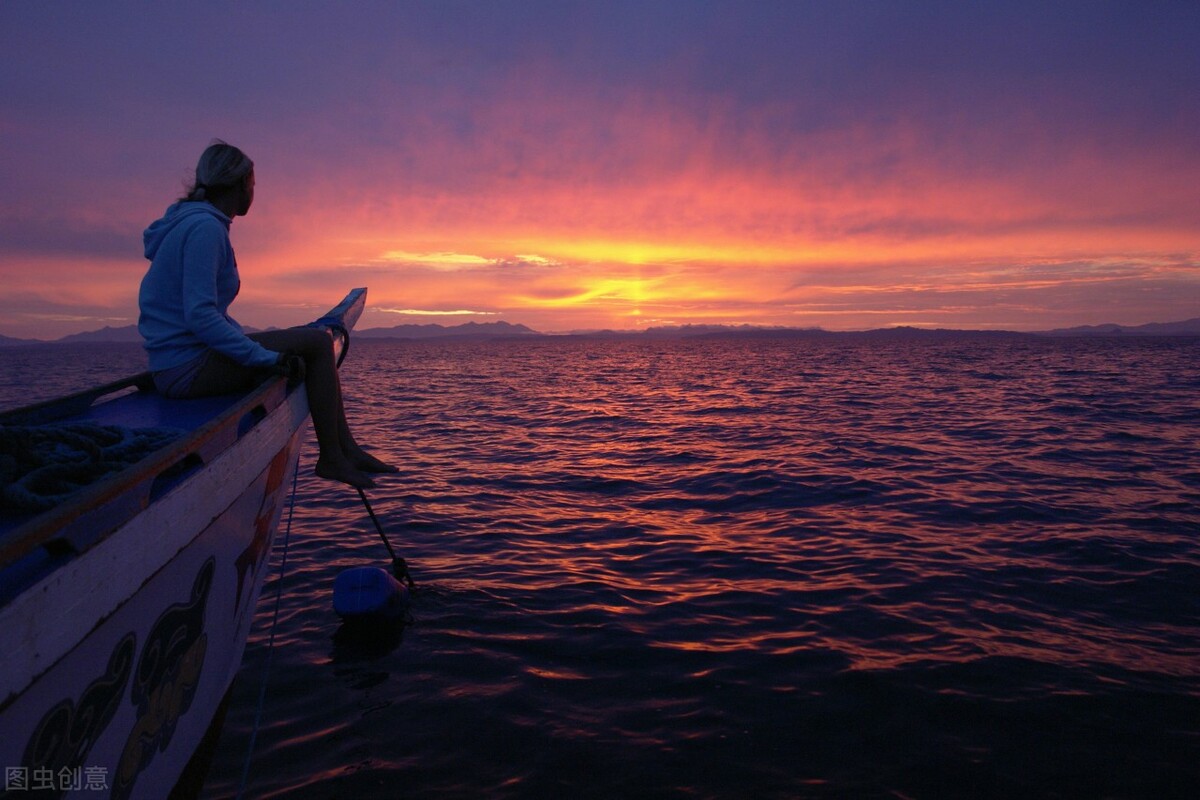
(32, 542)
(152, 410)
(133, 409)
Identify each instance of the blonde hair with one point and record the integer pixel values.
(221, 167)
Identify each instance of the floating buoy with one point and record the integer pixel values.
(369, 594)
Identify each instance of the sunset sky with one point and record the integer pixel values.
(577, 165)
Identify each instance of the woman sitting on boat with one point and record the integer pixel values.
(196, 349)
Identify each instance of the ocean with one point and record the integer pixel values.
(735, 568)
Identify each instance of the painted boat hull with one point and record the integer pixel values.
(114, 663)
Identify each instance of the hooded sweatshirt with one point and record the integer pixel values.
(186, 293)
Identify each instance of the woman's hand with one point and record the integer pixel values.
(291, 367)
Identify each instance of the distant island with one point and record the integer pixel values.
(1188, 327)
(128, 333)
(498, 330)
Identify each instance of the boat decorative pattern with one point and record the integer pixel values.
(165, 681)
(67, 732)
(251, 559)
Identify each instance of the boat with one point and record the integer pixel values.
(125, 607)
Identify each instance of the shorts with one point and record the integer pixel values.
(208, 374)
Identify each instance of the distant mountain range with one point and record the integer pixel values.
(1188, 327)
(127, 333)
(478, 330)
(489, 330)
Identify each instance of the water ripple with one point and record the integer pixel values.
(724, 568)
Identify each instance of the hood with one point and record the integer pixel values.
(177, 214)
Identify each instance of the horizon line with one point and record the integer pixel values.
(1100, 328)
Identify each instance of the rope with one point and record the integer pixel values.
(399, 565)
(43, 465)
(262, 689)
(335, 325)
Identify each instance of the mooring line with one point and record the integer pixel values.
(262, 689)
(399, 565)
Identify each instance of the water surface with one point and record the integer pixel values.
(747, 568)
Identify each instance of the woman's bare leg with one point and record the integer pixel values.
(350, 447)
(339, 453)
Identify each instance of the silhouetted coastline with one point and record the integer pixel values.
(506, 330)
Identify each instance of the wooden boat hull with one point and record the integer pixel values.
(114, 662)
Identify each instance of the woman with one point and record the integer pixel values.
(196, 349)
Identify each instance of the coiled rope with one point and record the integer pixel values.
(262, 689)
(42, 465)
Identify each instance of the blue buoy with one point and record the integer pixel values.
(369, 593)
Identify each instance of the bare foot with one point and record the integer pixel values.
(343, 472)
(369, 463)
